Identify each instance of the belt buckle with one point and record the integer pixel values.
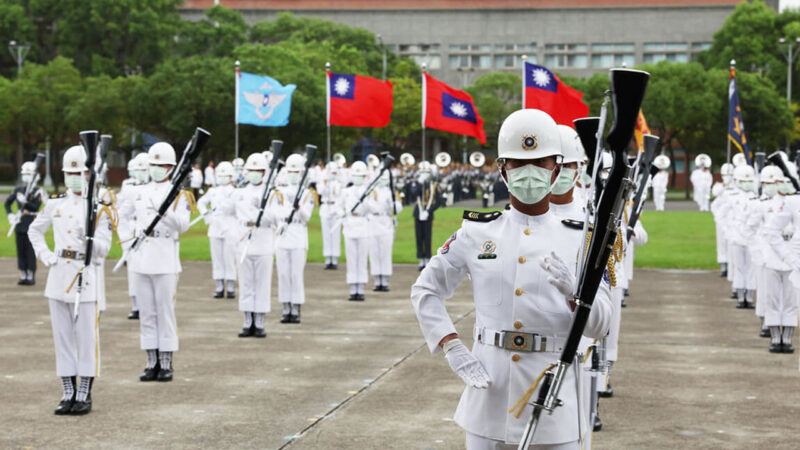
(520, 342)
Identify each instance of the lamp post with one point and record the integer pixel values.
(790, 54)
(379, 38)
(464, 75)
(19, 51)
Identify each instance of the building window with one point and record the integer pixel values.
(700, 46)
(457, 61)
(665, 51)
(650, 58)
(613, 55)
(566, 55)
(481, 61)
(508, 56)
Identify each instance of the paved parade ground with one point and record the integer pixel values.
(692, 373)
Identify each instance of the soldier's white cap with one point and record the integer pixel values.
(295, 162)
(139, 162)
(358, 168)
(739, 160)
(726, 169)
(256, 161)
(161, 153)
(571, 146)
(702, 160)
(528, 134)
(662, 162)
(331, 166)
(744, 173)
(771, 174)
(74, 160)
(238, 163)
(268, 155)
(28, 168)
(224, 168)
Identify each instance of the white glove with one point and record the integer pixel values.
(11, 218)
(466, 365)
(49, 259)
(423, 215)
(281, 228)
(21, 198)
(560, 275)
(795, 264)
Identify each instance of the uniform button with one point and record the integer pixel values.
(67, 262)
(522, 259)
(527, 231)
(70, 216)
(69, 246)
(518, 292)
(518, 324)
(69, 231)
(515, 358)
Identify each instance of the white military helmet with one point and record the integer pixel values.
(161, 153)
(571, 146)
(425, 166)
(256, 161)
(662, 162)
(739, 160)
(358, 168)
(238, 164)
(726, 169)
(744, 173)
(331, 167)
(28, 168)
(131, 164)
(224, 169)
(74, 160)
(295, 162)
(771, 174)
(267, 155)
(702, 161)
(528, 134)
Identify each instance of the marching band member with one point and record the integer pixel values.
(427, 198)
(381, 224)
(27, 209)
(356, 229)
(330, 215)
(660, 181)
(219, 212)
(77, 342)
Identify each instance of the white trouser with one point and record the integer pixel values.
(223, 258)
(131, 286)
(759, 271)
(704, 200)
(255, 284)
(475, 442)
(612, 340)
(355, 249)
(380, 254)
(291, 262)
(659, 197)
(722, 245)
(630, 254)
(331, 235)
(779, 298)
(155, 295)
(77, 343)
(743, 273)
(731, 262)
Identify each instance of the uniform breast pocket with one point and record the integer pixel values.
(487, 281)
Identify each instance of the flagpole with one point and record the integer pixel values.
(727, 133)
(328, 106)
(236, 115)
(424, 97)
(524, 58)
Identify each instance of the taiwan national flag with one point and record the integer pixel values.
(357, 101)
(451, 110)
(544, 91)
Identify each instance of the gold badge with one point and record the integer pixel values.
(156, 156)
(487, 250)
(529, 142)
(73, 164)
(473, 215)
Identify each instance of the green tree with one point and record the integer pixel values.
(404, 131)
(218, 34)
(496, 95)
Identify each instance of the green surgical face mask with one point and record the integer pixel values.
(293, 177)
(254, 177)
(358, 180)
(73, 182)
(565, 181)
(784, 188)
(140, 175)
(770, 189)
(158, 173)
(746, 186)
(529, 183)
(223, 179)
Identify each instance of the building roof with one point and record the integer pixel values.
(297, 5)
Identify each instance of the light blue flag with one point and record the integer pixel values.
(262, 101)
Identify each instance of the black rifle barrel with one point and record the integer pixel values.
(89, 142)
(275, 165)
(776, 159)
(645, 168)
(387, 163)
(310, 150)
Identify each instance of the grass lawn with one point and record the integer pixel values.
(676, 239)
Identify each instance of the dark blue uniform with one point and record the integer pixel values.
(26, 258)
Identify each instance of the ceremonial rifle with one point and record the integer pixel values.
(274, 166)
(627, 91)
(645, 170)
(310, 149)
(777, 160)
(387, 163)
(195, 146)
(38, 162)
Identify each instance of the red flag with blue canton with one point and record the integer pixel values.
(544, 91)
(450, 110)
(358, 101)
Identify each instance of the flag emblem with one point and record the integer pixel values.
(529, 142)
(343, 85)
(456, 108)
(543, 79)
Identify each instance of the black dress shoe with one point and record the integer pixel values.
(134, 315)
(286, 318)
(608, 393)
(328, 266)
(775, 348)
(623, 303)
(598, 424)
(259, 332)
(626, 293)
(734, 295)
(246, 332)
(64, 406)
(81, 408)
(334, 266)
(749, 305)
(764, 333)
(150, 374)
(741, 305)
(360, 297)
(723, 274)
(353, 297)
(787, 348)
(377, 288)
(384, 288)
(22, 282)
(165, 375)
(231, 294)
(219, 294)
(294, 318)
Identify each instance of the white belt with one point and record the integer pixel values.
(519, 341)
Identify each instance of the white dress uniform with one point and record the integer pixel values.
(764, 260)
(196, 179)
(156, 264)
(717, 209)
(701, 184)
(357, 235)
(330, 217)
(104, 197)
(381, 224)
(292, 245)
(77, 344)
(736, 211)
(783, 260)
(512, 294)
(255, 272)
(659, 183)
(126, 229)
(223, 231)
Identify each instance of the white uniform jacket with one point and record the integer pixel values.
(511, 293)
(248, 199)
(67, 214)
(660, 181)
(221, 218)
(160, 252)
(281, 201)
(126, 229)
(735, 212)
(356, 223)
(787, 217)
(381, 221)
(330, 192)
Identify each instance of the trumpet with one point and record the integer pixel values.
(339, 159)
(443, 159)
(477, 159)
(407, 159)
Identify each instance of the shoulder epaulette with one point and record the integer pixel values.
(574, 224)
(57, 195)
(476, 216)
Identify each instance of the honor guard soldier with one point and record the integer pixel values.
(255, 269)
(292, 242)
(381, 224)
(660, 181)
(238, 173)
(356, 229)
(77, 342)
(523, 293)
(427, 198)
(721, 191)
(736, 213)
(701, 181)
(27, 208)
(219, 212)
(155, 264)
(126, 230)
(330, 215)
